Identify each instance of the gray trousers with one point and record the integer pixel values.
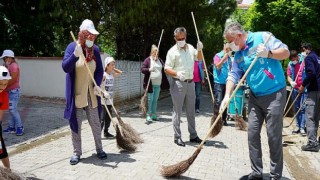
(183, 92)
(312, 116)
(94, 122)
(270, 109)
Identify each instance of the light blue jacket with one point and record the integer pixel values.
(266, 76)
(220, 75)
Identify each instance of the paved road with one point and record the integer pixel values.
(44, 151)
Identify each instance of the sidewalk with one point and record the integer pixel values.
(44, 151)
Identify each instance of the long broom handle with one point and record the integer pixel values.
(232, 95)
(295, 99)
(298, 112)
(145, 93)
(293, 87)
(90, 74)
(204, 62)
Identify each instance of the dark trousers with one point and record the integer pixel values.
(219, 92)
(105, 119)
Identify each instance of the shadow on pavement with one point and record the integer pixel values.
(216, 144)
(183, 177)
(265, 176)
(112, 158)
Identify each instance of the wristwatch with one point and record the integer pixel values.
(270, 54)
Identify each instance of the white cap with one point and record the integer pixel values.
(88, 25)
(107, 61)
(7, 53)
(4, 73)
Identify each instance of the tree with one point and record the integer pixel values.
(292, 21)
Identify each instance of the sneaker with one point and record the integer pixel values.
(74, 159)
(19, 131)
(154, 117)
(197, 111)
(102, 155)
(309, 147)
(10, 130)
(108, 135)
(296, 130)
(148, 118)
(302, 131)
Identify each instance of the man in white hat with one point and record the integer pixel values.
(80, 93)
(15, 123)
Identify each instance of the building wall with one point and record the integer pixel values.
(44, 77)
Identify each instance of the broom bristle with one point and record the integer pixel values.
(179, 168)
(124, 143)
(129, 132)
(241, 123)
(218, 127)
(143, 104)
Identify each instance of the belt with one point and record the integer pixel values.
(187, 80)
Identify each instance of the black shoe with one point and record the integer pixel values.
(108, 135)
(102, 155)
(179, 142)
(197, 140)
(225, 123)
(296, 131)
(309, 147)
(74, 159)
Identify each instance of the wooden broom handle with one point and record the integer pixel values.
(204, 62)
(232, 95)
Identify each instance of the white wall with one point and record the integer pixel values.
(44, 77)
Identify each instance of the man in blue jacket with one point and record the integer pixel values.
(312, 83)
(267, 92)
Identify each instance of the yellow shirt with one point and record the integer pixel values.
(180, 59)
(83, 83)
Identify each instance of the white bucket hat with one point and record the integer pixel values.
(107, 61)
(4, 73)
(7, 53)
(89, 26)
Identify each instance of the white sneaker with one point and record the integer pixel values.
(302, 131)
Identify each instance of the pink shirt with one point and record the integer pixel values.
(196, 72)
(14, 67)
(296, 69)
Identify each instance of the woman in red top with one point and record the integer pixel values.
(13, 88)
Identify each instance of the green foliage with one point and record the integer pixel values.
(127, 28)
(292, 21)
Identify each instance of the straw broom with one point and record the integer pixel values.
(239, 120)
(296, 114)
(291, 105)
(123, 143)
(181, 167)
(144, 98)
(217, 129)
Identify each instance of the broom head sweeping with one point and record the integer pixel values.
(143, 104)
(240, 122)
(181, 167)
(123, 142)
(129, 132)
(218, 127)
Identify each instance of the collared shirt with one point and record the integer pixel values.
(266, 76)
(180, 59)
